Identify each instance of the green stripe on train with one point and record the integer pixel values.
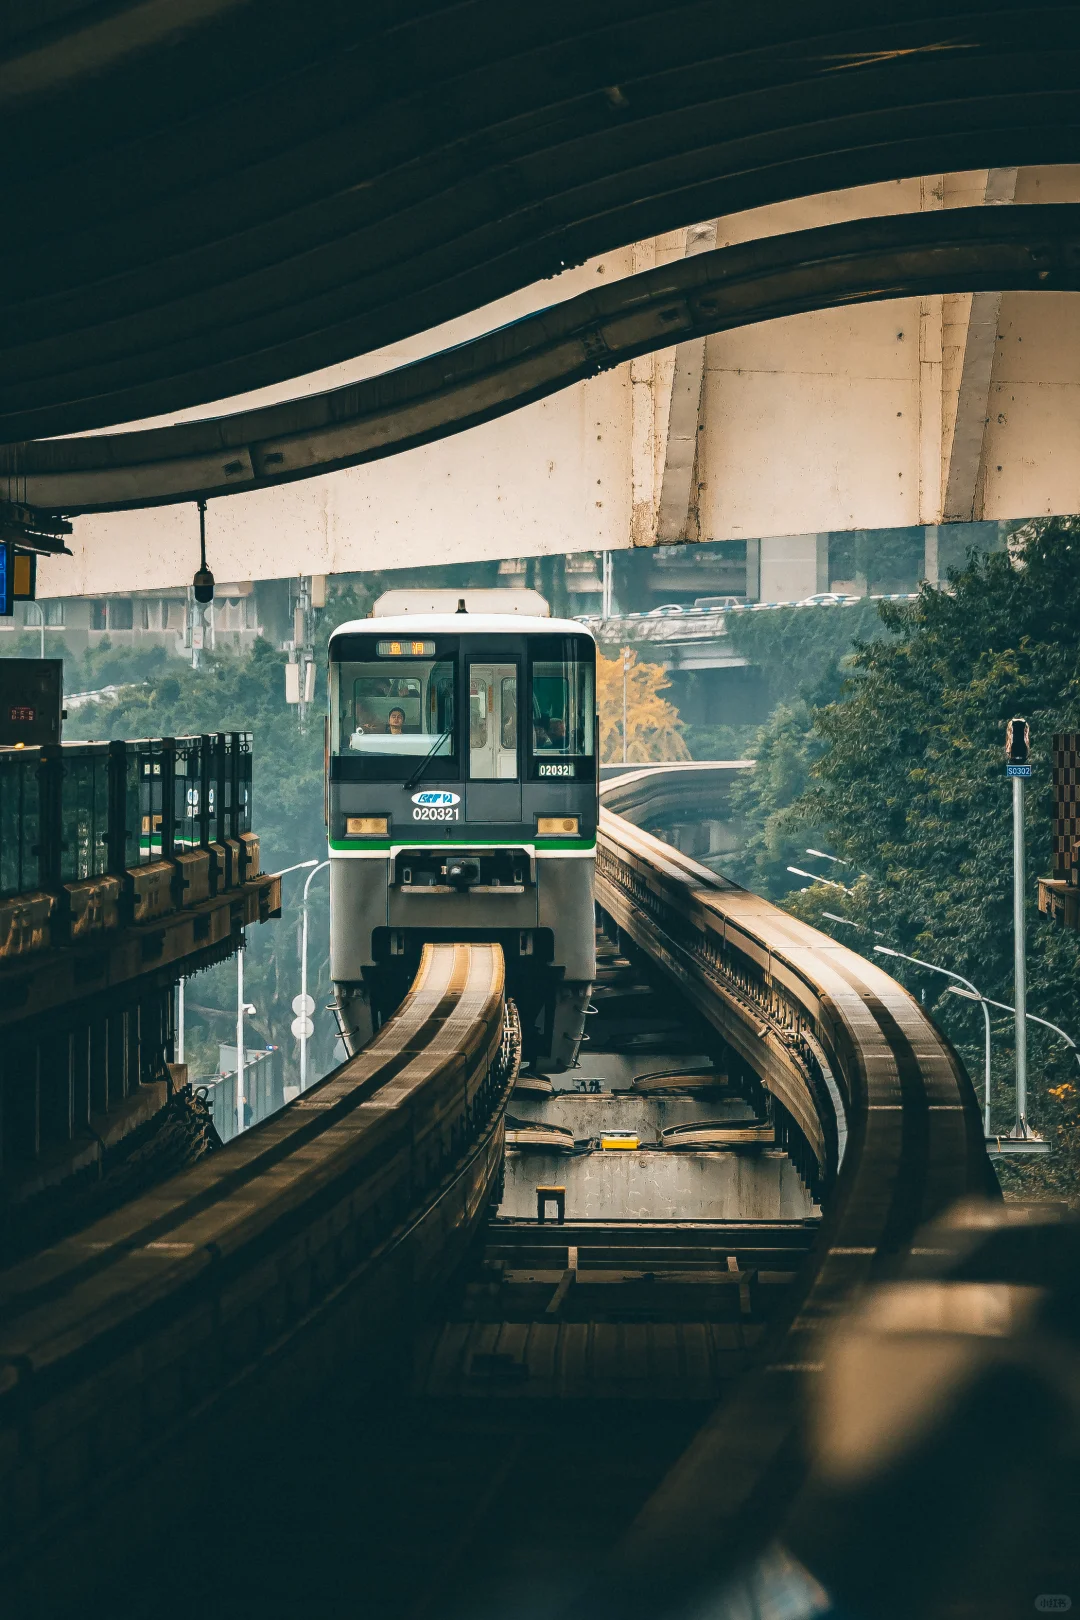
(539, 844)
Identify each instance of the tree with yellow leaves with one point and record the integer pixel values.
(653, 727)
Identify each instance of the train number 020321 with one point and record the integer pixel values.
(435, 812)
(556, 770)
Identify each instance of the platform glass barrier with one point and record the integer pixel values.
(20, 821)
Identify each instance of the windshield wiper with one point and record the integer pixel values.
(428, 757)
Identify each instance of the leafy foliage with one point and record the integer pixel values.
(803, 654)
(910, 787)
(801, 651)
(784, 751)
(653, 728)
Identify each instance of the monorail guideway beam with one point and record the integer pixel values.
(170, 1333)
(1035, 248)
(892, 1123)
(205, 205)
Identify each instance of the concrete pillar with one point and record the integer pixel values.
(793, 566)
(930, 555)
(753, 570)
(822, 558)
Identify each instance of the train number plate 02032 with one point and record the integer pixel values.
(556, 770)
(429, 812)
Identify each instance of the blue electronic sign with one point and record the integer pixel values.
(7, 579)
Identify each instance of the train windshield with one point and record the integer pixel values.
(402, 711)
(563, 712)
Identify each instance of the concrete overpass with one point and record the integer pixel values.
(767, 435)
(365, 216)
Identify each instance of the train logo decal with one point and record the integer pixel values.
(435, 799)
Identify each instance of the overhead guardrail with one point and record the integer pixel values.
(235, 1290)
(874, 1103)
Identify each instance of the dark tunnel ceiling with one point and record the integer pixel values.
(211, 196)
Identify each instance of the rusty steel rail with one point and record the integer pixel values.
(289, 1257)
(891, 1135)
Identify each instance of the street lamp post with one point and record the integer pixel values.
(303, 976)
(828, 882)
(1003, 1006)
(179, 1043)
(931, 967)
(242, 1008)
(847, 922)
(1017, 749)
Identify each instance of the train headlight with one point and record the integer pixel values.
(557, 826)
(367, 826)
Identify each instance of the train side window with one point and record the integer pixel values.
(562, 731)
(479, 692)
(508, 715)
(493, 722)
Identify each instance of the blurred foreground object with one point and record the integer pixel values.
(945, 1434)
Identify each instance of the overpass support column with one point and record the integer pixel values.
(793, 566)
(974, 334)
(643, 385)
(677, 493)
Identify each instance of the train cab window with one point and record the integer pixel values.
(402, 711)
(493, 722)
(563, 719)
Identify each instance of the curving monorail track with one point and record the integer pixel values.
(292, 1257)
(296, 1258)
(893, 1124)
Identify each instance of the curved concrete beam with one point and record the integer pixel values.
(203, 197)
(1031, 248)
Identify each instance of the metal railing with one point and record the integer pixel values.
(74, 811)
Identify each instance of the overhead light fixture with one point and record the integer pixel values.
(203, 583)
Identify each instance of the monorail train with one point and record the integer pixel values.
(461, 803)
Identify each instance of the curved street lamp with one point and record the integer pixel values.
(975, 995)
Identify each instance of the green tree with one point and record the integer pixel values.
(910, 787)
(653, 730)
(784, 751)
(801, 651)
(804, 655)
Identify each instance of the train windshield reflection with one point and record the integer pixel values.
(402, 712)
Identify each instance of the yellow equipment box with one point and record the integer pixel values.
(620, 1142)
